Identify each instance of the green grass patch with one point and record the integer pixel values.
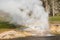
(54, 19)
(6, 25)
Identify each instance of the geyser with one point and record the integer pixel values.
(29, 13)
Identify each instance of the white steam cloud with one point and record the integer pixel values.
(26, 12)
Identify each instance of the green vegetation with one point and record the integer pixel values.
(54, 19)
(6, 25)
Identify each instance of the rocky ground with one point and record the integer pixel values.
(13, 34)
(54, 29)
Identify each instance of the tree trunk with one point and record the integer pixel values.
(53, 7)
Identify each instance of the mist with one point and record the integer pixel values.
(26, 12)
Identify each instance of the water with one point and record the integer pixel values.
(29, 13)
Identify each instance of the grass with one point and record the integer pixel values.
(6, 25)
(54, 19)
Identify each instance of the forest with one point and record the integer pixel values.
(53, 6)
